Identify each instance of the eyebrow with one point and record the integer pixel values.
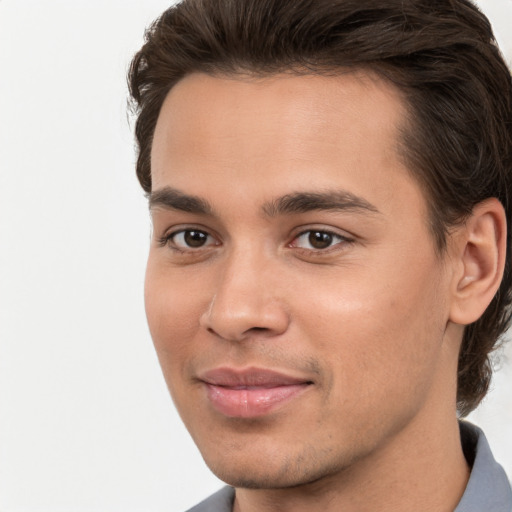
(303, 202)
(293, 203)
(174, 199)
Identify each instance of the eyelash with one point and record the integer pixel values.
(169, 240)
(342, 240)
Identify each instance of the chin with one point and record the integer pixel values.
(263, 478)
(273, 470)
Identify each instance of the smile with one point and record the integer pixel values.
(250, 393)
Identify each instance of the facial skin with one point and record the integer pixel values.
(357, 316)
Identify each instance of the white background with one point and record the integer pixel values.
(85, 420)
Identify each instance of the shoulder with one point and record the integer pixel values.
(221, 501)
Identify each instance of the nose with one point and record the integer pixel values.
(246, 302)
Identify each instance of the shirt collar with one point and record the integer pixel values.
(488, 487)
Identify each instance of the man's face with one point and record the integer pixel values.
(293, 291)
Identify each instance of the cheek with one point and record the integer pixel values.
(172, 310)
(378, 336)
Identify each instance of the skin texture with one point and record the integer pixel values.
(372, 322)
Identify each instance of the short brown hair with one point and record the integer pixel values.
(441, 54)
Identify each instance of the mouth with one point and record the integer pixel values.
(251, 392)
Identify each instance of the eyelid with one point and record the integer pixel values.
(167, 239)
(343, 238)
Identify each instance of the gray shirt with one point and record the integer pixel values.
(488, 489)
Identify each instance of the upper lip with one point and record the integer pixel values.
(249, 377)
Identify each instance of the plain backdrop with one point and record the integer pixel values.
(86, 423)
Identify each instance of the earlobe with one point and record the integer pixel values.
(480, 256)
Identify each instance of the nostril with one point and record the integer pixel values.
(254, 331)
(241, 336)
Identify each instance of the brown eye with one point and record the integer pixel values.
(317, 240)
(195, 238)
(320, 239)
(191, 239)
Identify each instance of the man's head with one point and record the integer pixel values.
(327, 182)
(442, 57)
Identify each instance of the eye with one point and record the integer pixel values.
(317, 240)
(187, 239)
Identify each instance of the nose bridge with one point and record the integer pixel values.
(246, 299)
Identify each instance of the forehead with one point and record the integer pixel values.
(291, 107)
(266, 136)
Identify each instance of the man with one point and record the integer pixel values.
(330, 184)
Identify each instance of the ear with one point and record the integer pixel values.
(480, 246)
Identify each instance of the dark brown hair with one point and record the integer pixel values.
(440, 53)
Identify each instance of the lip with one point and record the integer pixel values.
(250, 392)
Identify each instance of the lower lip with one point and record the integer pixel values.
(251, 402)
